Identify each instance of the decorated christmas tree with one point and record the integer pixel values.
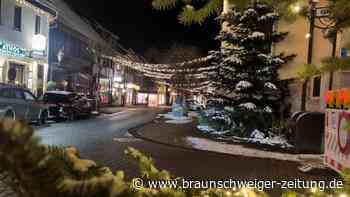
(246, 69)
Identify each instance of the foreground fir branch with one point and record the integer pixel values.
(29, 169)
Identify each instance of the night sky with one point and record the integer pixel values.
(139, 26)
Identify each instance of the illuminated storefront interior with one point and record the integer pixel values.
(19, 66)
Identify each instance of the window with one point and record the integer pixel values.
(18, 18)
(316, 88)
(5, 93)
(18, 94)
(37, 24)
(28, 96)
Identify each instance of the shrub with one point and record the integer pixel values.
(29, 169)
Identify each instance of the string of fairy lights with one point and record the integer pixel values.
(191, 75)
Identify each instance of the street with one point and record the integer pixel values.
(105, 138)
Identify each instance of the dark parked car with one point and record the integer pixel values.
(66, 105)
(20, 104)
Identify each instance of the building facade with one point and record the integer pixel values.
(297, 42)
(73, 51)
(24, 38)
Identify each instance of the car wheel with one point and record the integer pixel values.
(72, 116)
(43, 118)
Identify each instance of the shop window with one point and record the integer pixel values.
(16, 74)
(37, 24)
(18, 18)
(316, 87)
(142, 98)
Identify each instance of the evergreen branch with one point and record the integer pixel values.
(41, 171)
(164, 4)
(329, 64)
(190, 15)
(146, 166)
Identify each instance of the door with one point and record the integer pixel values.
(33, 107)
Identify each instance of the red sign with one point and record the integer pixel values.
(337, 139)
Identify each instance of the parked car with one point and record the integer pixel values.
(66, 105)
(20, 104)
(194, 105)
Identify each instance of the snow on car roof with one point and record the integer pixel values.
(60, 92)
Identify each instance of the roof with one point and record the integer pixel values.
(60, 92)
(68, 17)
(43, 6)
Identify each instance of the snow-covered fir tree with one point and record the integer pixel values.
(246, 76)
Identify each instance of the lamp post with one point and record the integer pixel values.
(310, 37)
(316, 13)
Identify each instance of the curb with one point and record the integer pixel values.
(299, 162)
(135, 133)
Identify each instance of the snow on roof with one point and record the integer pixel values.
(69, 17)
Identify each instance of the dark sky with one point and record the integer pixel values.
(139, 26)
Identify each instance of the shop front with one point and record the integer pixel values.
(18, 66)
(150, 99)
(131, 93)
(104, 91)
(142, 98)
(105, 85)
(118, 94)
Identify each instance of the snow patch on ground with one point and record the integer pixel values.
(178, 121)
(172, 119)
(170, 116)
(237, 149)
(205, 128)
(256, 137)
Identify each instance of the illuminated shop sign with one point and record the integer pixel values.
(11, 50)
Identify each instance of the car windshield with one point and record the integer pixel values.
(59, 98)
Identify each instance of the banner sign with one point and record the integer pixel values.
(322, 12)
(12, 50)
(337, 139)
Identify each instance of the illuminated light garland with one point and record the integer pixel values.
(166, 68)
(162, 66)
(197, 69)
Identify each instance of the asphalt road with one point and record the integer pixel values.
(105, 138)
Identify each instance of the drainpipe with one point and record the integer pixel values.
(334, 51)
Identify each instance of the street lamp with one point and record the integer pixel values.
(296, 8)
(319, 14)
